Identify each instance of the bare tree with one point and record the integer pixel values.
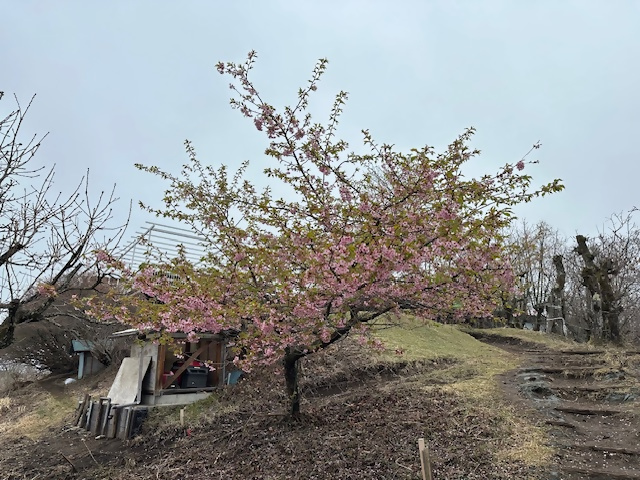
(535, 252)
(593, 287)
(605, 303)
(610, 271)
(555, 305)
(622, 246)
(46, 239)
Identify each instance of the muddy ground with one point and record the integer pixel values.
(588, 397)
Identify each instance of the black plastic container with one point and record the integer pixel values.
(194, 377)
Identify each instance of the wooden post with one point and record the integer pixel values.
(87, 425)
(123, 423)
(81, 409)
(213, 357)
(129, 422)
(182, 417)
(112, 429)
(160, 367)
(424, 460)
(78, 411)
(223, 360)
(102, 430)
(82, 420)
(94, 420)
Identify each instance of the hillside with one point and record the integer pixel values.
(363, 413)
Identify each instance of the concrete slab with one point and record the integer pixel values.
(126, 385)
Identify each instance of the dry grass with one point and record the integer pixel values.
(197, 414)
(5, 404)
(33, 410)
(616, 358)
(473, 378)
(48, 411)
(476, 363)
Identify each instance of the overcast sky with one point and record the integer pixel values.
(121, 82)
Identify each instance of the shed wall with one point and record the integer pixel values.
(148, 350)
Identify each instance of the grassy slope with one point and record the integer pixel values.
(33, 410)
(474, 376)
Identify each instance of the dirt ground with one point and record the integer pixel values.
(360, 420)
(589, 399)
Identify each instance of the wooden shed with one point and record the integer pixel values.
(155, 374)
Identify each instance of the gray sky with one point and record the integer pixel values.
(121, 82)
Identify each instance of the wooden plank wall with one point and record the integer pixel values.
(104, 420)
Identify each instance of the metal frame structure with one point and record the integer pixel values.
(164, 241)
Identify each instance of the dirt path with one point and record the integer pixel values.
(590, 401)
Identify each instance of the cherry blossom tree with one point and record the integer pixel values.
(336, 241)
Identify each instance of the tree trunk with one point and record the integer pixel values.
(20, 311)
(508, 312)
(6, 333)
(604, 301)
(555, 304)
(8, 327)
(290, 362)
(539, 312)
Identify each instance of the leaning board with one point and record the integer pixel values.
(128, 380)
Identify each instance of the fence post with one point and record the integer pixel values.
(424, 460)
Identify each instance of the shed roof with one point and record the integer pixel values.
(82, 346)
(177, 335)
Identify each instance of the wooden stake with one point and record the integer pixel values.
(94, 458)
(424, 460)
(182, 417)
(69, 461)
